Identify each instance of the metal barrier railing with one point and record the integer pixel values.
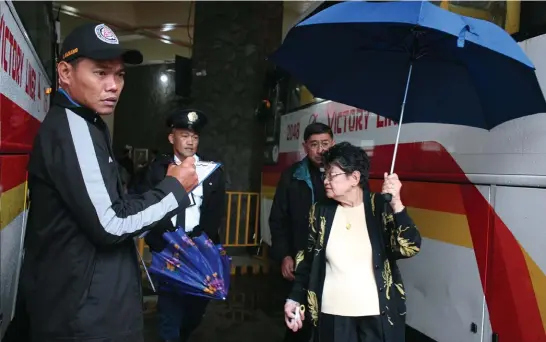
(239, 205)
(247, 205)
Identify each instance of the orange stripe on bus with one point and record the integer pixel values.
(443, 197)
(271, 178)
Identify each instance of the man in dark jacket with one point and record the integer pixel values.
(179, 315)
(299, 187)
(81, 278)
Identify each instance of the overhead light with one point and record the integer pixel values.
(167, 27)
(163, 78)
(69, 10)
(166, 39)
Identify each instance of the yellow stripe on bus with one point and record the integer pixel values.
(12, 203)
(268, 192)
(442, 226)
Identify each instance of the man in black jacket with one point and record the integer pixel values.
(81, 278)
(299, 187)
(179, 315)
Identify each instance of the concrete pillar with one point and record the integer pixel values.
(143, 107)
(231, 41)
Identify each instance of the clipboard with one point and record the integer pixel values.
(203, 169)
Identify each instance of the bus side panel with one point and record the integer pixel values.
(265, 203)
(18, 127)
(24, 102)
(445, 296)
(524, 260)
(12, 220)
(23, 99)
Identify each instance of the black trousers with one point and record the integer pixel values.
(179, 316)
(19, 328)
(350, 329)
(302, 335)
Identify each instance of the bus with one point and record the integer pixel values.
(477, 196)
(27, 64)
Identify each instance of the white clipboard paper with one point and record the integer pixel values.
(203, 169)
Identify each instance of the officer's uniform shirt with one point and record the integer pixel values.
(193, 213)
(194, 120)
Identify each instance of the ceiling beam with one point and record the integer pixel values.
(164, 26)
(119, 25)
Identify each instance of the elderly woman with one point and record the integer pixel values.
(348, 273)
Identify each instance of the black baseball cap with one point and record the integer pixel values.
(98, 42)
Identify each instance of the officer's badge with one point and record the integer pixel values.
(192, 117)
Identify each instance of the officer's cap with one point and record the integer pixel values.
(97, 42)
(191, 119)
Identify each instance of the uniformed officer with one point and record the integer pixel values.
(81, 279)
(179, 316)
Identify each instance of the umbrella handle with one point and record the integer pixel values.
(387, 197)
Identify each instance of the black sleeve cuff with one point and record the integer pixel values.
(154, 239)
(402, 218)
(297, 296)
(172, 185)
(279, 253)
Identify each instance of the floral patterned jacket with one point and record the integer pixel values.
(392, 236)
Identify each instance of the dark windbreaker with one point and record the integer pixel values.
(81, 279)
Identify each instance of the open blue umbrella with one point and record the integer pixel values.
(412, 61)
(194, 266)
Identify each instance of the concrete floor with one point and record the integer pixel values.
(252, 312)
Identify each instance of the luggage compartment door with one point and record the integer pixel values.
(13, 204)
(516, 279)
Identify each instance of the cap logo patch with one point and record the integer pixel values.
(192, 117)
(106, 34)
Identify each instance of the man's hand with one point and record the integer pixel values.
(185, 173)
(287, 268)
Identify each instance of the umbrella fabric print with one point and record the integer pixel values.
(192, 266)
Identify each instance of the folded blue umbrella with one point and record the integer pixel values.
(191, 266)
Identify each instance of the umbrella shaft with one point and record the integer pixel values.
(401, 118)
(145, 268)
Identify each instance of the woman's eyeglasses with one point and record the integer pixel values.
(331, 176)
